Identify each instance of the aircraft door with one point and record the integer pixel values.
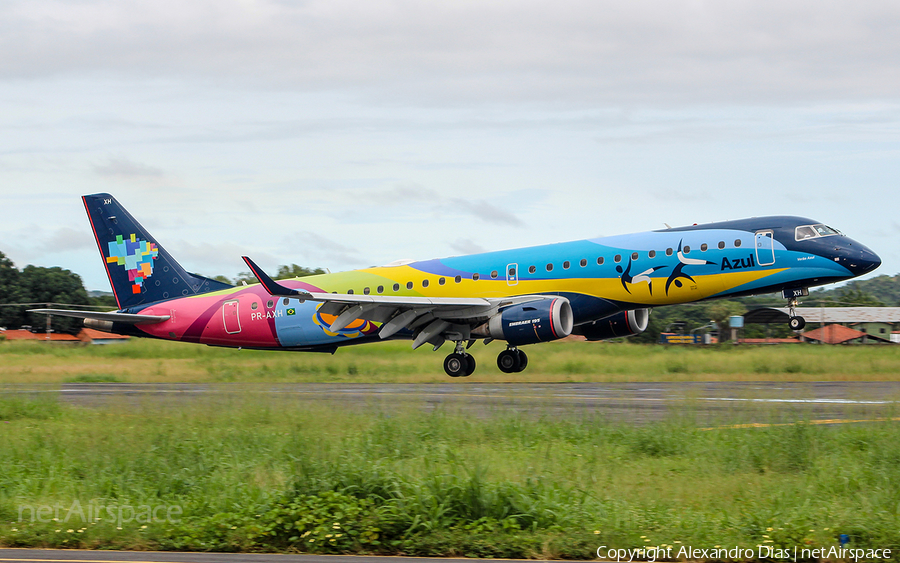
(512, 274)
(765, 248)
(231, 318)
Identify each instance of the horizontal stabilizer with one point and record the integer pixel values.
(125, 318)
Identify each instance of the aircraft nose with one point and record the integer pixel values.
(860, 260)
(868, 262)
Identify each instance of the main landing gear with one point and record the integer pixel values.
(512, 360)
(459, 363)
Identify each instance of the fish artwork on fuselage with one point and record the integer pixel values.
(598, 288)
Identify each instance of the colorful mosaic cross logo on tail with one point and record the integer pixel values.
(136, 255)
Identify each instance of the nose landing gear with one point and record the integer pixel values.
(795, 322)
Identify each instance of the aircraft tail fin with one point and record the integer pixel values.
(140, 270)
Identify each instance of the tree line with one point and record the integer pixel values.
(36, 286)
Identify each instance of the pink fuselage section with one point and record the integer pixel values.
(238, 318)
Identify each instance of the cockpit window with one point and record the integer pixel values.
(825, 230)
(814, 231)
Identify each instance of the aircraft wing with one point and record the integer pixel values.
(433, 318)
(125, 318)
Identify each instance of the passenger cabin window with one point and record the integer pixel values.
(566, 265)
(617, 258)
(494, 275)
(549, 267)
(409, 285)
(380, 289)
(669, 251)
(424, 283)
(687, 250)
(366, 291)
(441, 281)
(737, 243)
(634, 255)
(476, 277)
(396, 287)
(703, 247)
(721, 244)
(652, 254)
(532, 269)
(457, 279)
(349, 292)
(583, 262)
(600, 261)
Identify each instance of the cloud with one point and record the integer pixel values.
(486, 212)
(66, 239)
(212, 259)
(411, 196)
(466, 246)
(324, 251)
(678, 196)
(403, 194)
(581, 51)
(122, 168)
(33, 238)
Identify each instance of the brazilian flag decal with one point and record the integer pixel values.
(291, 312)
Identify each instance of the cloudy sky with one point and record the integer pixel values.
(344, 134)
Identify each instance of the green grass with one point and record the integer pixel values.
(158, 361)
(248, 475)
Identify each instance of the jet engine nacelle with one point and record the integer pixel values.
(626, 323)
(530, 323)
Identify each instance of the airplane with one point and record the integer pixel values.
(598, 288)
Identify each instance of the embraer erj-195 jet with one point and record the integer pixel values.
(598, 288)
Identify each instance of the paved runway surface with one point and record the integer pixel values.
(624, 402)
(78, 556)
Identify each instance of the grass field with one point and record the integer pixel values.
(249, 476)
(242, 473)
(160, 361)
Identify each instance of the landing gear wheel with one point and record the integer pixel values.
(508, 361)
(457, 365)
(470, 361)
(523, 360)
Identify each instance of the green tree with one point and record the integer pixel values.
(851, 297)
(107, 301)
(10, 292)
(295, 271)
(53, 285)
(245, 278)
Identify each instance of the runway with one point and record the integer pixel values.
(82, 556)
(620, 402)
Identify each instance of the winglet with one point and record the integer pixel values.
(273, 287)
